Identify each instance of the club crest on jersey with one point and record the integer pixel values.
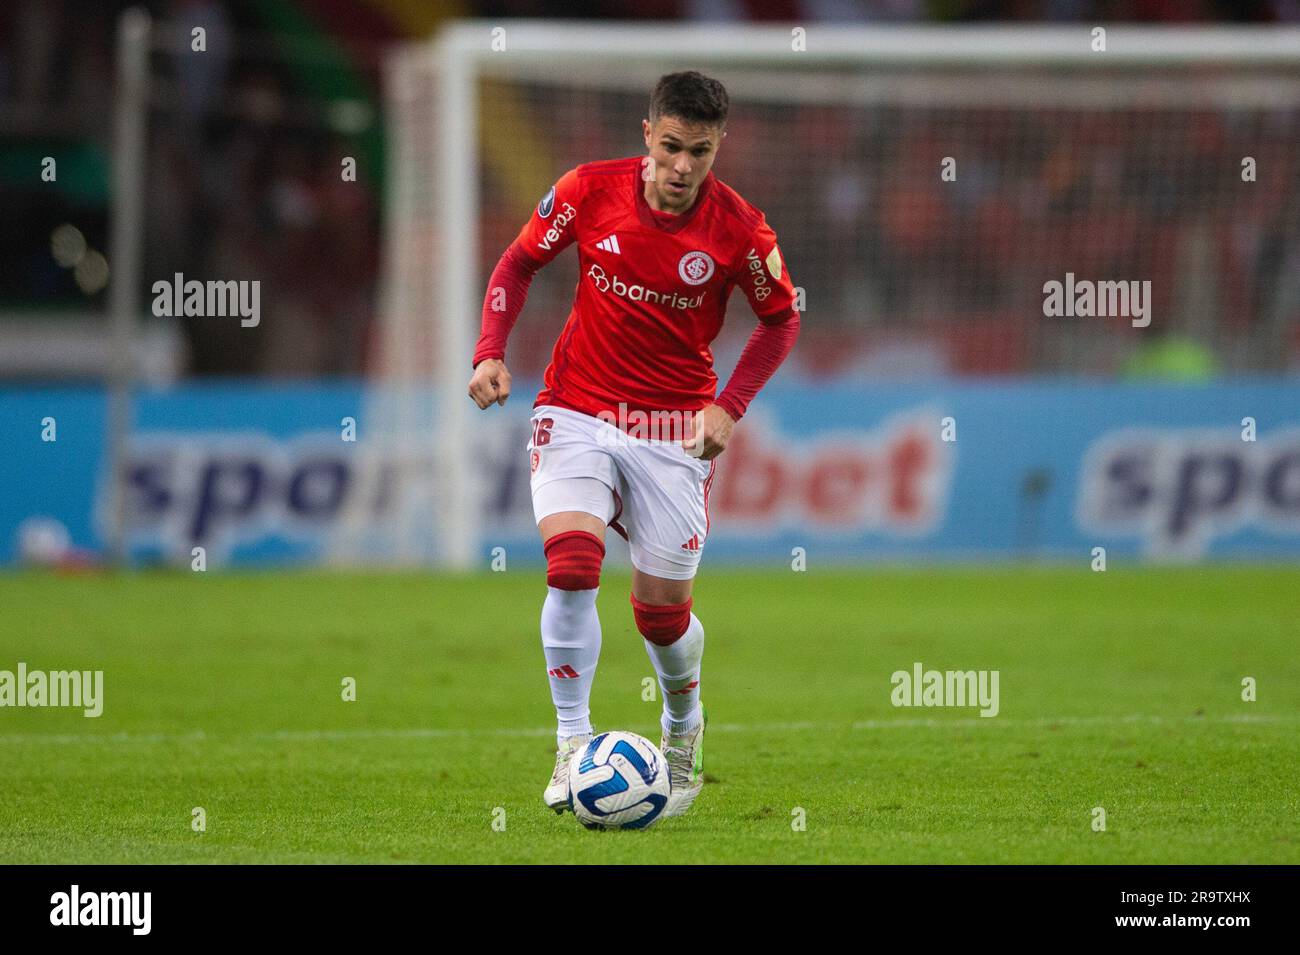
(547, 205)
(695, 268)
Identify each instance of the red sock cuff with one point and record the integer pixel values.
(573, 560)
(662, 624)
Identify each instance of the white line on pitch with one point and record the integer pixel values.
(197, 736)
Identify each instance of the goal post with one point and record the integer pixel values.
(130, 123)
(1073, 149)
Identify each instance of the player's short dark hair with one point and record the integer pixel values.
(690, 96)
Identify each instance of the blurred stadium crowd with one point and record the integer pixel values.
(907, 275)
(243, 181)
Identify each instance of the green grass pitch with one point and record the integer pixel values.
(1120, 690)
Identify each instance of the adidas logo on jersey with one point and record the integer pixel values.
(610, 244)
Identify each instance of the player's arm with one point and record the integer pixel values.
(767, 284)
(549, 231)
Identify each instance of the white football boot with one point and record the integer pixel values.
(556, 794)
(685, 757)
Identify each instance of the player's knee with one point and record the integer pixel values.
(662, 624)
(573, 560)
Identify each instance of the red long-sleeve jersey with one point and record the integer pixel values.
(651, 296)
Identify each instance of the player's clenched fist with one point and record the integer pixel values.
(491, 382)
(711, 432)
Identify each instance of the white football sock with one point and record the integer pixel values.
(571, 642)
(678, 666)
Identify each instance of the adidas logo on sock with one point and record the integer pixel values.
(565, 672)
(610, 244)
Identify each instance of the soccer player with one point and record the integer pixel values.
(626, 430)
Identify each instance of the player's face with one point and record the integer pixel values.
(682, 155)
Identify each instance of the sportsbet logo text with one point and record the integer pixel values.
(892, 480)
(1179, 489)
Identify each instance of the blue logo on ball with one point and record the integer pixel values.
(616, 784)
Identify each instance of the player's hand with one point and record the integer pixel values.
(491, 382)
(711, 432)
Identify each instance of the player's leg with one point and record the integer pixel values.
(573, 501)
(674, 641)
(666, 516)
(574, 544)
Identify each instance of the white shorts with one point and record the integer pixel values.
(651, 492)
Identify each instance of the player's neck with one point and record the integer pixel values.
(651, 193)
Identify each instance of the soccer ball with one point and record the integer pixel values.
(618, 781)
